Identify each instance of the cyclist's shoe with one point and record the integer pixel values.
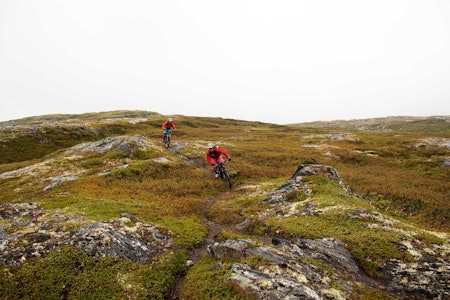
(217, 175)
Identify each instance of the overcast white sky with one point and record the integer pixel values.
(271, 61)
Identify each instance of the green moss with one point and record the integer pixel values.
(256, 261)
(230, 235)
(160, 279)
(92, 163)
(71, 274)
(189, 232)
(68, 273)
(146, 154)
(133, 172)
(97, 209)
(369, 246)
(296, 196)
(429, 238)
(362, 293)
(326, 192)
(41, 142)
(207, 279)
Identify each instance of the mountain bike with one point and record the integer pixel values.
(166, 139)
(221, 170)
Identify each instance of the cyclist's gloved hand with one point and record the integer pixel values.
(213, 165)
(229, 158)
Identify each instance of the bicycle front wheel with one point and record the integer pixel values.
(167, 140)
(225, 176)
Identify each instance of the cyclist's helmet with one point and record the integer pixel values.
(169, 119)
(210, 146)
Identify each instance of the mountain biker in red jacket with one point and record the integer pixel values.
(214, 156)
(168, 126)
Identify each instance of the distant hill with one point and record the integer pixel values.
(434, 124)
(92, 116)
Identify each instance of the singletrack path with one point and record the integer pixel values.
(213, 228)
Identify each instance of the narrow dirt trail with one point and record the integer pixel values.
(213, 228)
(196, 254)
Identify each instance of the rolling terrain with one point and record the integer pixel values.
(93, 206)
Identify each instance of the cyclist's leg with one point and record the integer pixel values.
(216, 171)
(169, 133)
(164, 134)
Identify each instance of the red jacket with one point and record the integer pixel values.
(168, 125)
(216, 155)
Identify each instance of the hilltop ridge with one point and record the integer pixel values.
(432, 124)
(93, 116)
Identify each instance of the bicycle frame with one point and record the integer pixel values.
(167, 137)
(223, 173)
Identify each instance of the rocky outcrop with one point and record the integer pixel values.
(279, 202)
(262, 285)
(325, 269)
(429, 279)
(426, 277)
(52, 174)
(434, 142)
(138, 243)
(125, 144)
(33, 232)
(296, 269)
(296, 181)
(55, 181)
(231, 248)
(445, 163)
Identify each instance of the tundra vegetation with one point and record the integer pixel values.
(396, 173)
